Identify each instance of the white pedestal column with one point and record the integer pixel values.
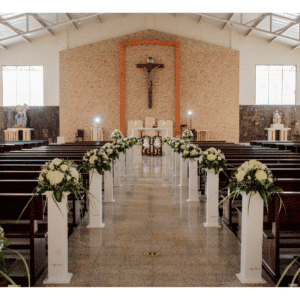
(212, 200)
(175, 164)
(122, 162)
(251, 244)
(95, 200)
(117, 171)
(172, 159)
(108, 186)
(193, 181)
(183, 172)
(57, 240)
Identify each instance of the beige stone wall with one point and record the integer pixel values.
(89, 85)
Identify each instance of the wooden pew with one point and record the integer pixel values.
(29, 236)
(284, 232)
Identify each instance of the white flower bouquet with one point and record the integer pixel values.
(4, 245)
(96, 159)
(180, 146)
(58, 176)
(119, 145)
(117, 135)
(173, 141)
(191, 152)
(253, 177)
(187, 135)
(111, 151)
(212, 159)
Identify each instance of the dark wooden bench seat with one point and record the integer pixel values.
(26, 236)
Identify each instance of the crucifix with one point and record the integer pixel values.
(149, 66)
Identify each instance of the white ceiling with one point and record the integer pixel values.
(26, 27)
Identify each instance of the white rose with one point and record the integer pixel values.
(64, 167)
(194, 152)
(51, 167)
(74, 173)
(261, 175)
(109, 151)
(56, 161)
(55, 177)
(68, 177)
(92, 159)
(41, 178)
(211, 157)
(240, 175)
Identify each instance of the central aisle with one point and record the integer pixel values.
(151, 214)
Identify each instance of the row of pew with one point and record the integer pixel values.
(19, 170)
(281, 235)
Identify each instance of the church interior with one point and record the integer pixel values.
(70, 81)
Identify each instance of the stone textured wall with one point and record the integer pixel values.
(43, 119)
(255, 118)
(89, 85)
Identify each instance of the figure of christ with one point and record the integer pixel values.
(149, 67)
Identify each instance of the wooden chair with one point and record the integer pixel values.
(157, 151)
(146, 150)
(79, 134)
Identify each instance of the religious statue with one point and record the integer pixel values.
(20, 118)
(276, 118)
(149, 67)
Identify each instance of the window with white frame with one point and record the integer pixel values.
(275, 85)
(23, 84)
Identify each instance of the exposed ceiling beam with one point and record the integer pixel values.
(14, 29)
(284, 29)
(247, 26)
(73, 23)
(230, 17)
(42, 22)
(200, 19)
(258, 21)
(52, 26)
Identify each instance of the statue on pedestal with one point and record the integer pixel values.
(21, 118)
(276, 118)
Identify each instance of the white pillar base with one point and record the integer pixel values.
(95, 200)
(183, 172)
(117, 172)
(212, 202)
(193, 181)
(251, 240)
(108, 187)
(57, 240)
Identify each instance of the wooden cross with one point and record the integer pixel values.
(149, 66)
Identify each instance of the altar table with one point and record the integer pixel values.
(12, 134)
(153, 129)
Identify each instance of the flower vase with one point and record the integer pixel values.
(95, 200)
(57, 240)
(183, 172)
(193, 181)
(212, 199)
(117, 171)
(251, 240)
(109, 186)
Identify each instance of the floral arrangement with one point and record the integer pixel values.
(96, 159)
(180, 145)
(111, 151)
(172, 142)
(131, 141)
(166, 140)
(187, 135)
(4, 244)
(120, 145)
(59, 176)
(116, 135)
(212, 159)
(253, 177)
(191, 152)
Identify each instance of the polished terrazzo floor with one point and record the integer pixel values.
(151, 214)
